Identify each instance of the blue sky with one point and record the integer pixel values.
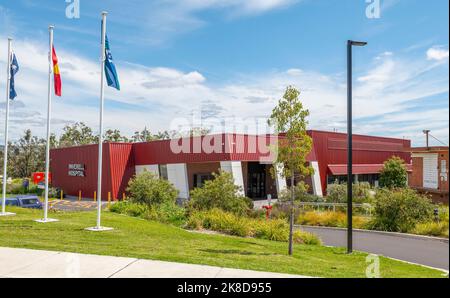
(210, 60)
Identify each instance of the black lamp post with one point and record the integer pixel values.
(350, 44)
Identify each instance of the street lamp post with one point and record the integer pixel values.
(350, 44)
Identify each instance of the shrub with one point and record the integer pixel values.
(443, 213)
(220, 221)
(232, 224)
(337, 193)
(282, 211)
(307, 238)
(394, 174)
(300, 194)
(331, 219)
(167, 213)
(275, 230)
(130, 209)
(222, 193)
(400, 210)
(438, 229)
(148, 189)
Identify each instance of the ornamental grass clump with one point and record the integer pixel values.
(232, 224)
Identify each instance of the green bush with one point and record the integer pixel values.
(438, 229)
(148, 189)
(394, 173)
(300, 194)
(232, 224)
(282, 210)
(167, 213)
(274, 229)
(222, 193)
(130, 209)
(306, 238)
(220, 221)
(337, 193)
(400, 210)
(330, 219)
(17, 188)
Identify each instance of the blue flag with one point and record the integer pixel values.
(110, 68)
(14, 70)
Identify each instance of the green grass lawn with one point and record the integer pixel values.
(138, 238)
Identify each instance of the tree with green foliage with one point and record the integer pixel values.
(146, 136)
(27, 155)
(146, 188)
(77, 134)
(289, 119)
(222, 193)
(114, 136)
(394, 173)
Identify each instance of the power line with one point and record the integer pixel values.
(438, 140)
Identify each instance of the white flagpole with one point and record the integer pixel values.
(5, 151)
(98, 227)
(49, 109)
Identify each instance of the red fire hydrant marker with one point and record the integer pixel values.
(268, 210)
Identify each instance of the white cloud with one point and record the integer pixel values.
(165, 19)
(387, 96)
(437, 53)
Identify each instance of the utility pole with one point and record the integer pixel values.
(427, 135)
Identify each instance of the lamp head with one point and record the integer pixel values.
(357, 43)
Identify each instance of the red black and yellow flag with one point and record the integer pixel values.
(56, 73)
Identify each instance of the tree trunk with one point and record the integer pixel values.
(291, 217)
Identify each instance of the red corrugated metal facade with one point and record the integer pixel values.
(118, 168)
(331, 149)
(120, 159)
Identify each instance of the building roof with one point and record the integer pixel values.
(429, 149)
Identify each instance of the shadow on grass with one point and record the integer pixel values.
(235, 252)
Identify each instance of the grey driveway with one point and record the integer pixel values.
(421, 250)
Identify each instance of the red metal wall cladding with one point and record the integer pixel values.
(211, 148)
(331, 149)
(118, 168)
(119, 162)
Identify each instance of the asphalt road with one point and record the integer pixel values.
(425, 251)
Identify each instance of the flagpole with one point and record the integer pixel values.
(5, 151)
(49, 109)
(98, 227)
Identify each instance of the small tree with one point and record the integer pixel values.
(222, 193)
(148, 189)
(394, 174)
(289, 117)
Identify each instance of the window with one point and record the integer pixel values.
(162, 169)
(371, 178)
(12, 202)
(30, 201)
(200, 179)
(332, 179)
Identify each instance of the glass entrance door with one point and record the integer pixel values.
(256, 187)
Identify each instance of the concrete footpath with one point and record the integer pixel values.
(27, 263)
